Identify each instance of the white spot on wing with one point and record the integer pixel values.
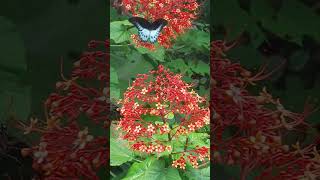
(144, 34)
(154, 34)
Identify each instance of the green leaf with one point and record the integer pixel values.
(194, 139)
(157, 54)
(178, 66)
(119, 150)
(200, 67)
(151, 168)
(114, 85)
(150, 118)
(119, 31)
(188, 39)
(198, 174)
(170, 115)
(199, 139)
(161, 137)
(127, 70)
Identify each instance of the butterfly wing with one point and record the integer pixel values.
(156, 28)
(143, 27)
(144, 34)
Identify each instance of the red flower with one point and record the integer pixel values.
(178, 13)
(158, 94)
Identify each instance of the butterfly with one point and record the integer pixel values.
(148, 31)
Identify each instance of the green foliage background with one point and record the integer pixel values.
(34, 36)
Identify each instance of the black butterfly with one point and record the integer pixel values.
(148, 31)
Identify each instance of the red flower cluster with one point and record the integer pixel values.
(178, 13)
(146, 108)
(258, 125)
(67, 151)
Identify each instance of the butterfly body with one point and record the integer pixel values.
(148, 31)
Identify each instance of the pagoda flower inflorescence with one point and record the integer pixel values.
(146, 107)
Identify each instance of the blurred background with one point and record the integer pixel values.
(34, 36)
(282, 34)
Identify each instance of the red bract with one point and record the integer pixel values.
(178, 13)
(66, 150)
(258, 124)
(146, 108)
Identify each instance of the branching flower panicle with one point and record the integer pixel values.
(146, 109)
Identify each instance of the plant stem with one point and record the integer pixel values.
(186, 145)
(137, 160)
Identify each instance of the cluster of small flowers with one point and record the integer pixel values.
(65, 150)
(193, 156)
(259, 127)
(181, 162)
(160, 93)
(150, 148)
(178, 13)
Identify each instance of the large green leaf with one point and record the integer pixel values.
(200, 67)
(179, 66)
(119, 31)
(198, 174)
(154, 169)
(119, 151)
(191, 43)
(157, 54)
(127, 70)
